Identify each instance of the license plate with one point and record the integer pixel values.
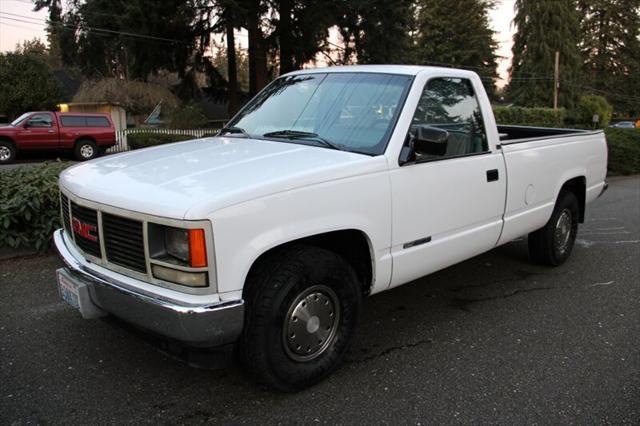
(68, 290)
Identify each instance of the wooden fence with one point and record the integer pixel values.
(121, 135)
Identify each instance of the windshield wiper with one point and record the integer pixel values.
(234, 131)
(298, 134)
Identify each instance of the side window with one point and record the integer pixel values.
(97, 122)
(40, 120)
(450, 104)
(72, 121)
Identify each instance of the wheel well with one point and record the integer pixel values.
(7, 139)
(351, 244)
(578, 186)
(83, 138)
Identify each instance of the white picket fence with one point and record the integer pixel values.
(121, 135)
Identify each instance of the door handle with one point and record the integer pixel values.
(492, 175)
(52, 131)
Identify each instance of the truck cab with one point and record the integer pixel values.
(85, 135)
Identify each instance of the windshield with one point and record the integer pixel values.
(350, 111)
(20, 119)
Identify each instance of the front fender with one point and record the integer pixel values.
(243, 232)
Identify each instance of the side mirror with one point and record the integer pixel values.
(424, 140)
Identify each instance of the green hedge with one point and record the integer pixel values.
(542, 117)
(624, 151)
(590, 106)
(29, 205)
(144, 140)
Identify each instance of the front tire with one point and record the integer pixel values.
(303, 305)
(552, 245)
(7, 152)
(85, 150)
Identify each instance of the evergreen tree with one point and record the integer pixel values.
(542, 28)
(26, 84)
(457, 33)
(611, 50)
(129, 39)
(54, 28)
(377, 31)
(301, 29)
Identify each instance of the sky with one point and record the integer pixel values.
(14, 30)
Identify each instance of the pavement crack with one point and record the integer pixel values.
(463, 303)
(389, 350)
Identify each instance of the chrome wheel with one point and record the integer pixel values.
(563, 230)
(5, 153)
(311, 323)
(86, 151)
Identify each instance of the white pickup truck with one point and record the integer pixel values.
(329, 186)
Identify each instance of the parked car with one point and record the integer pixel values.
(329, 186)
(624, 125)
(85, 135)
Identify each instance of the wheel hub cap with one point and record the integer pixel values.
(86, 151)
(311, 323)
(563, 230)
(4, 153)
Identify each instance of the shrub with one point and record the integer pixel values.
(544, 117)
(624, 151)
(29, 205)
(188, 116)
(592, 105)
(144, 140)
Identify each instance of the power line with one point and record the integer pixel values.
(37, 21)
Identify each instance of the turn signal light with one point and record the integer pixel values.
(197, 248)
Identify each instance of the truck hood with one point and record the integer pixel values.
(188, 180)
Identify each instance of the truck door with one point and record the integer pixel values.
(448, 200)
(39, 132)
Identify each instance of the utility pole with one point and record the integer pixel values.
(556, 80)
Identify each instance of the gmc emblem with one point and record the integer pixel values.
(85, 230)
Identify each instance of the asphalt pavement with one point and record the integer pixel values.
(495, 339)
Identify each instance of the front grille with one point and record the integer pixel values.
(66, 222)
(124, 242)
(87, 238)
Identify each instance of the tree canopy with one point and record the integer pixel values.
(26, 84)
(457, 32)
(542, 28)
(611, 50)
(598, 42)
(128, 39)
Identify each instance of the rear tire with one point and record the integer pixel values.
(303, 305)
(552, 244)
(7, 152)
(85, 150)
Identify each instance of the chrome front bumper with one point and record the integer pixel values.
(201, 325)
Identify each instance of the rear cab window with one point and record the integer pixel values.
(73, 121)
(98, 122)
(83, 121)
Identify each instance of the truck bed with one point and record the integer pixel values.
(515, 134)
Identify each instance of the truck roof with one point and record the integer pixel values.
(96, 114)
(382, 69)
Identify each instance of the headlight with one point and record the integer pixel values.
(176, 243)
(186, 249)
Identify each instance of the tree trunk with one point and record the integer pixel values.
(232, 68)
(284, 33)
(258, 76)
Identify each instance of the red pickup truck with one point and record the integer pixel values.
(86, 135)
